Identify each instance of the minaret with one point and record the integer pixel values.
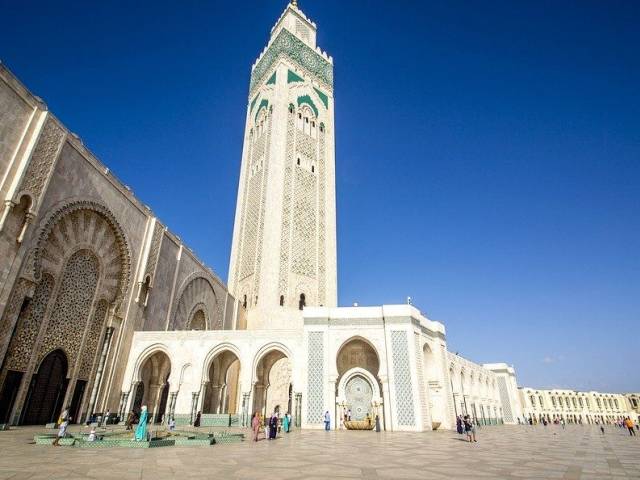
(283, 255)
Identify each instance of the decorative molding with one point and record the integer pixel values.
(287, 45)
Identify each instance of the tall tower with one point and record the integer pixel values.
(283, 254)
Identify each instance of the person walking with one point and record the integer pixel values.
(62, 431)
(196, 422)
(327, 421)
(602, 429)
(470, 428)
(459, 427)
(629, 424)
(255, 426)
(285, 423)
(141, 429)
(273, 426)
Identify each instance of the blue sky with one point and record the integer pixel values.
(488, 154)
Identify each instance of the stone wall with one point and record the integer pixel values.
(112, 268)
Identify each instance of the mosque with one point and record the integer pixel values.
(102, 308)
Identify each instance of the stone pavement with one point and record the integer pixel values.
(506, 452)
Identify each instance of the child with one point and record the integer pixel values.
(62, 431)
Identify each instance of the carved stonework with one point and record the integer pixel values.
(28, 326)
(154, 251)
(92, 225)
(92, 344)
(197, 294)
(70, 312)
(286, 208)
(43, 159)
(287, 46)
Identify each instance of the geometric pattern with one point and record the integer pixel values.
(402, 378)
(70, 313)
(504, 398)
(315, 373)
(286, 45)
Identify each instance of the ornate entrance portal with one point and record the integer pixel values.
(358, 397)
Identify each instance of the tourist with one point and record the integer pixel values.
(629, 424)
(327, 421)
(273, 426)
(63, 416)
(377, 423)
(459, 427)
(196, 422)
(602, 429)
(172, 424)
(92, 435)
(290, 419)
(562, 422)
(130, 420)
(105, 419)
(285, 422)
(62, 431)
(141, 429)
(255, 426)
(349, 415)
(470, 428)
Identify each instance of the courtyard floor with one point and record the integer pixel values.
(505, 452)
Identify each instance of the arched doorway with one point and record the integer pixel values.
(272, 393)
(433, 383)
(47, 390)
(221, 395)
(153, 388)
(358, 386)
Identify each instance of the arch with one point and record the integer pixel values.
(153, 375)
(47, 390)
(373, 365)
(266, 349)
(345, 398)
(198, 318)
(432, 384)
(145, 354)
(221, 375)
(196, 292)
(85, 224)
(272, 377)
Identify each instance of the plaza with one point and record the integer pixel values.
(502, 452)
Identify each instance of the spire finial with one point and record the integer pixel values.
(294, 3)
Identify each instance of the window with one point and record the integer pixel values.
(302, 303)
(298, 161)
(282, 300)
(553, 401)
(313, 169)
(290, 108)
(541, 402)
(244, 302)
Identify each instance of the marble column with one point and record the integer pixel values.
(96, 383)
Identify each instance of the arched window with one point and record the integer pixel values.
(291, 108)
(313, 169)
(244, 302)
(298, 160)
(282, 300)
(302, 303)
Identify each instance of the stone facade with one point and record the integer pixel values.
(574, 406)
(84, 265)
(283, 253)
